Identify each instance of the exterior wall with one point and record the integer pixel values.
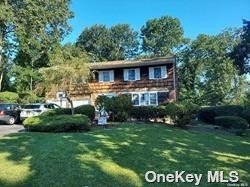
(119, 86)
(89, 92)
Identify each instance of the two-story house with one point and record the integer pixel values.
(149, 81)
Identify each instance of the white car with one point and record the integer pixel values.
(36, 109)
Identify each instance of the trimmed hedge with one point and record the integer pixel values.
(246, 114)
(231, 122)
(87, 110)
(58, 123)
(143, 113)
(208, 114)
(9, 97)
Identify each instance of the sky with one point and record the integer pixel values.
(196, 16)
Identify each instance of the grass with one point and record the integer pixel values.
(119, 156)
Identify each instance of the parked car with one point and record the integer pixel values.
(10, 113)
(36, 109)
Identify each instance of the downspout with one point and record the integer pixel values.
(174, 74)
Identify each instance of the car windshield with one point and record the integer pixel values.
(30, 106)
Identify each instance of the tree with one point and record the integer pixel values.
(68, 67)
(125, 42)
(33, 27)
(206, 73)
(241, 52)
(117, 43)
(161, 36)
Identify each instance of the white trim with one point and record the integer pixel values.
(111, 75)
(164, 73)
(148, 93)
(126, 74)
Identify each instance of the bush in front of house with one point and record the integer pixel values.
(118, 106)
(57, 123)
(87, 110)
(143, 113)
(9, 97)
(238, 124)
(181, 113)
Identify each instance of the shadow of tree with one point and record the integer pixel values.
(117, 156)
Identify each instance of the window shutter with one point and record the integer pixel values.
(111, 74)
(137, 74)
(125, 75)
(164, 72)
(100, 76)
(151, 73)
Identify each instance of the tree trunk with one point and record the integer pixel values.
(71, 105)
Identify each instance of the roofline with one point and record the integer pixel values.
(132, 63)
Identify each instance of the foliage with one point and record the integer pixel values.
(246, 114)
(31, 29)
(87, 110)
(9, 97)
(143, 113)
(118, 106)
(116, 43)
(29, 97)
(207, 76)
(208, 114)
(59, 123)
(161, 36)
(181, 113)
(57, 111)
(234, 122)
(242, 50)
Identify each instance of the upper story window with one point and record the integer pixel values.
(131, 74)
(106, 76)
(159, 72)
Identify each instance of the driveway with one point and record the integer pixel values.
(8, 129)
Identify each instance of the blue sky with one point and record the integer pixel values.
(196, 16)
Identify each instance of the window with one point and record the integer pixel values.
(153, 98)
(144, 99)
(158, 72)
(131, 74)
(106, 76)
(135, 99)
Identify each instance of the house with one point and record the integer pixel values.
(149, 81)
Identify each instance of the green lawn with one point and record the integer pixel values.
(117, 156)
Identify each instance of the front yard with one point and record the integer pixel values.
(118, 156)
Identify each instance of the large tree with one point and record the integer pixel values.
(160, 36)
(68, 67)
(32, 27)
(206, 74)
(116, 43)
(241, 52)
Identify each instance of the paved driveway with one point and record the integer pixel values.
(7, 129)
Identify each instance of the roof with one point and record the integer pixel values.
(132, 63)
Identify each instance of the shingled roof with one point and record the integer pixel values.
(132, 63)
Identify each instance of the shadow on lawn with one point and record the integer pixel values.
(117, 156)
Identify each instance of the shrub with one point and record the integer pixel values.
(57, 111)
(246, 114)
(118, 106)
(144, 113)
(59, 123)
(234, 122)
(208, 114)
(87, 110)
(29, 97)
(181, 113)
(9, 97)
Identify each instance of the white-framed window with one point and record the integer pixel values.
(131, 74)
(159, 72)
(144, 98)
(106, 76)
(110, 95)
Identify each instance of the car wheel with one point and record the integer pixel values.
(11, 120)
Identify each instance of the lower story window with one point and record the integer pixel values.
(144, 99)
